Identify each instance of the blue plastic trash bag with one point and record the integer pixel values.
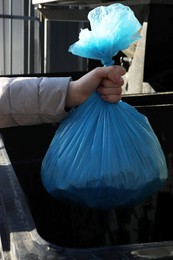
(113, 28)
(105, 155)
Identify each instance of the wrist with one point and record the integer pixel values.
(73, 96)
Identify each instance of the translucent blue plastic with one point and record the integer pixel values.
(113, 28)
(105, 155)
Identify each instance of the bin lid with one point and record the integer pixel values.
(89, 2)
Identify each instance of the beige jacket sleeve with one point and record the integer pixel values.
(30, 101)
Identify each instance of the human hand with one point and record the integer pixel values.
(107, 81)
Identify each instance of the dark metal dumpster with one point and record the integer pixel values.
(35, 226)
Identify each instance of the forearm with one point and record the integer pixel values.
(30, 101)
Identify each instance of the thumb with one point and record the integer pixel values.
(115, 74)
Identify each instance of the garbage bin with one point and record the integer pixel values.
(35, 226)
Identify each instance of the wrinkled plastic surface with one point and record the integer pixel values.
(113, 28)
(105, 155)
(104, 158)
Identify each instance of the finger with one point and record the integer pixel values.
(120, 70)
(109, 87)
(112, 73)
(106, 83)
(109, 90)
(111, 98)
(115, 74)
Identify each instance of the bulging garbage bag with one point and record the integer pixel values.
(105, 155)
